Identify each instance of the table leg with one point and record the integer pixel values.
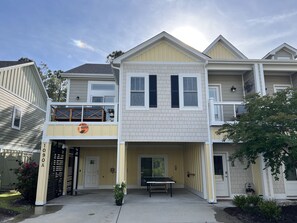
(150, 189)
(171, 190)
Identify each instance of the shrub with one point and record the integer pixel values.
(252, 202)
(27, 175)
(239, 201)
(270, 210)
(119, 190)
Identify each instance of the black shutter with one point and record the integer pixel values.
(174, 92)
(153, 90)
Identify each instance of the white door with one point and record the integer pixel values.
(221, 174)
(92, 171)
(214, 93)
(291, 183)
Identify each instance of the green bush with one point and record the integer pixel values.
(240, 201)
(252, 202)
(27, 175)
(270, 210)
(119, 191)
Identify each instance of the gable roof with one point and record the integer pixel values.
(11, 63)
(89, 68)
(229, 45)
(160, 36)
(282, 46)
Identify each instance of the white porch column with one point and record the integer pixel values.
(43, 173)
(121, 163)
(209, 173)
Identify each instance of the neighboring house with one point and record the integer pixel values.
(154, 112)
(22, 114)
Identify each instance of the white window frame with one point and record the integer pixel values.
(280, 87)
(15, 108)
(91, 92)
(181, 92)
(146, 91)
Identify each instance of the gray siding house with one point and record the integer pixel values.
(22, 114)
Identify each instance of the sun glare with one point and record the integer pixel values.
(191, 36)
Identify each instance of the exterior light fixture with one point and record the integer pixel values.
(233, 89)
(77, 98)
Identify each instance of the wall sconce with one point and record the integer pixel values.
(77, 98)
(112, 170)
(190, 174)
(233, 89)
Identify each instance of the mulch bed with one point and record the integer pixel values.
(289, 215)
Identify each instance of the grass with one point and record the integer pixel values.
(11, 201)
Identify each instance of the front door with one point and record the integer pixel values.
(291, 183)
(92, 171)
(152, 167)
(221, 174)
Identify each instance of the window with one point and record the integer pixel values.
(101, 92)
(16, 118)
(190, 91)
(137, 91)
(141, 91)
(280, 87)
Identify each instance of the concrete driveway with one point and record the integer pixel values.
(98, 206)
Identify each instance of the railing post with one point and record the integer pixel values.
(211, 111)
(115, 107)
(48, 110)
(82, 114)
(234, 111)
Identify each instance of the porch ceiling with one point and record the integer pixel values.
(91, 143)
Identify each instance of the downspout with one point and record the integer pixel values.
(119, 122)
(209, 138)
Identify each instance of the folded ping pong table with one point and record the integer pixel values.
(161, 182)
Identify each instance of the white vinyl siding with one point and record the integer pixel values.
(24, 82)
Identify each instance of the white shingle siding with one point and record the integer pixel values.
(164, 123)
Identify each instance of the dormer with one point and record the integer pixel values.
(221, 48)
(283, 52)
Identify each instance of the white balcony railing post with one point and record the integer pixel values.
(48, 110)
(211, 110)
(115, 107)
(82, 113)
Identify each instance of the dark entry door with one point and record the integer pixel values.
(56, 171)
(152, 167)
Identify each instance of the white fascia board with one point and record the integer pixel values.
(251, 61)
(40, 80)
(162, 35)
(84, 75)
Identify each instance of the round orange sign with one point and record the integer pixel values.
(83, 128)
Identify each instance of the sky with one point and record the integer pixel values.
(67, 33)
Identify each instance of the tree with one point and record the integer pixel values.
(113, 55)
(54, 83)
(269, 127)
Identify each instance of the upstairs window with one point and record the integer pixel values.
(190, 93)
(142, 91)
(101, 92)
(137, 94)
(16, 118)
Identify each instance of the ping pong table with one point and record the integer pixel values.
(159, 184)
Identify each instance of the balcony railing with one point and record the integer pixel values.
(227, 111)
(82, 112)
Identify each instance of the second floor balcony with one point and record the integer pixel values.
(221, 112)
(66, 120)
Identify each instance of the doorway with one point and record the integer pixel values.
(291, 183)
(221, 175)
(152, 167)
(91, 172)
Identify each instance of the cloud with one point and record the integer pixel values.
(83, 45)
(271, 19)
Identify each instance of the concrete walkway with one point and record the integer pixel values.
(98, 206)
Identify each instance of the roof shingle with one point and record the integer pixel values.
(92, 69)
(11, 63)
